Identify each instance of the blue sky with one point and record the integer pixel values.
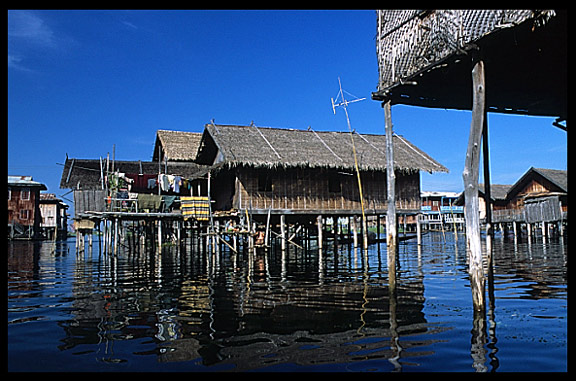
(80, 82)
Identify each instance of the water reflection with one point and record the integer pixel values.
(337, 309)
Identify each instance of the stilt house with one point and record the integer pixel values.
(288, 171)
(510, 61)
(24, 215)
(96, 183)
(540, 195)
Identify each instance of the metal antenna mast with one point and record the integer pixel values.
(344, 103)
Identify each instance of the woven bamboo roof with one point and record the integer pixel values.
(425, 58)
(280, 147)
(177, 145)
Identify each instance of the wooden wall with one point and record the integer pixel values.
(24, 210)
(534, 186)
(308, 189)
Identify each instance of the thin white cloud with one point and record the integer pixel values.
(26, 27)
(14, 62)
(129, 24)
(30, 34)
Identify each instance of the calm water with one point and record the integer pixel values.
(299, 311)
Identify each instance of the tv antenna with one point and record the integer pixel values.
(341, 100)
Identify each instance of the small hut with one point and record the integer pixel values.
(306, 172)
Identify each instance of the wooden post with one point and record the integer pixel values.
(283, 231)
(486, 165)
(364, 232)
(354, 232)
(115, 236)
(267, 234)
(159, 222)
(419, 230)
(470, 177)
(320, 228)
(391, 232)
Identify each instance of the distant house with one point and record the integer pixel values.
(24, 216)
(289, 171)
(498, 197)
(539, 195)
(54, 223)
(440, 208)
(538, 183)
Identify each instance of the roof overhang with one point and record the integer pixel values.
(526, 73)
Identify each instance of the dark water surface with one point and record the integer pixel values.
(298, 311)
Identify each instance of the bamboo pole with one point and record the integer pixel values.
(470, 177)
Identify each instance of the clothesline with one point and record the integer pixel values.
(132, 181)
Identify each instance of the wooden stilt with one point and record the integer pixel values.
(470, 177)
(486, 167)
(391, 230)
(115, 236)
(354, 232)
(320, 231)
(283, 231)
(419, 230)
(364, 233)
(159, 222)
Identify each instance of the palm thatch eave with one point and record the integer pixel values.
(273, 148)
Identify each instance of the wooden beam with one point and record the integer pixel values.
(487, 190)
(486, 166)
(470, 177)
(391, 231)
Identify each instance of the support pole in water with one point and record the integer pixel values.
(470, 177)
(391, 230)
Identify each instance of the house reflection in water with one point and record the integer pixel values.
(250, 310)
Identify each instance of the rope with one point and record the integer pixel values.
(266, 140)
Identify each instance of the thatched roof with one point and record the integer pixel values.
(176, 145)
(425, 58)
(279, 147)
(85, 173)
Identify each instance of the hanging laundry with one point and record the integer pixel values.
(170, 181)
(141, 182)
(168, 201)
(149, 201)
(164, 182)
(177, 183)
